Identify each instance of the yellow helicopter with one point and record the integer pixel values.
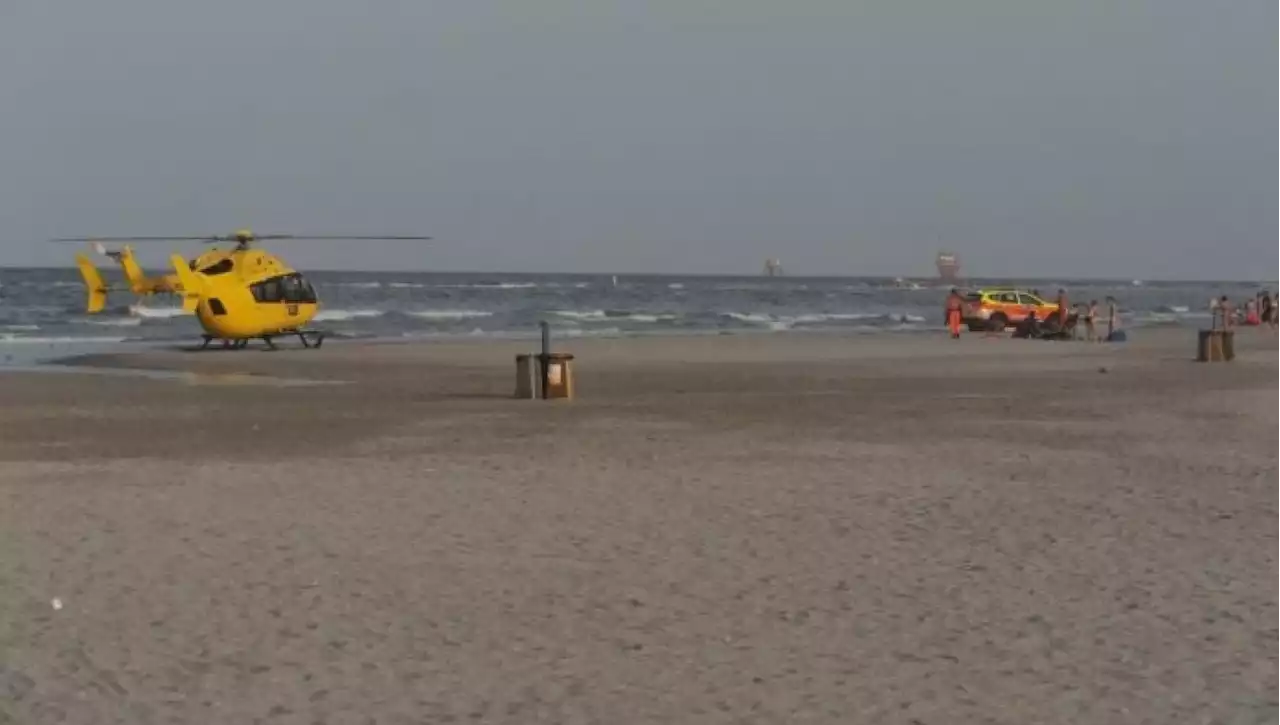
(237, 294)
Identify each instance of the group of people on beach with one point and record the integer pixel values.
(1259, 311)
(1067, 319)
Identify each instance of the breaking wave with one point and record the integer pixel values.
(339, 315)
(448, 314)
(615, 316)
(156, 312)
(115, 322)
(787, 322)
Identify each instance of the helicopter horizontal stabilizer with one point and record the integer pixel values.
(93, 284)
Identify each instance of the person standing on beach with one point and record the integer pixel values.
(954, 304)
(1228, 313)
(1064, 309)
(1113, 317)
(1090, 322)
(1251, 312)
(1266, 312)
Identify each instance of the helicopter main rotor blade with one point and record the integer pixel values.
(239, 238)
(392, 237)
(128, 239)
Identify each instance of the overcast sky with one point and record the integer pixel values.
(1047, 138)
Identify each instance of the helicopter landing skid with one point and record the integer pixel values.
(310, 339)
(317, 337)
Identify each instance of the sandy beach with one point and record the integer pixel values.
(719, 529)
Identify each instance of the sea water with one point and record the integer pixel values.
(42, 310)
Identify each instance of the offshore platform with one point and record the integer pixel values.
(948, 266)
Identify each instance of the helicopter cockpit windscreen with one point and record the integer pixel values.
(297, 288)
(285, 288)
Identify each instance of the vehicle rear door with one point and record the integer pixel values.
(1010, 306)
(972, 307)
(1030, 303)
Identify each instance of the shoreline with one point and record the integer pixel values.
(143, 350)
(576, 335)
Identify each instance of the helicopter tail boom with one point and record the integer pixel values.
(93, 284)
(138, 281)
(191, 286)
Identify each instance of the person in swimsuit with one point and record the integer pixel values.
(1227, 311)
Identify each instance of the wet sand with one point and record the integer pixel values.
(737, 529)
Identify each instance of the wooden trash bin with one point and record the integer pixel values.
(1216, 346)
(558, 375)
(533, 382)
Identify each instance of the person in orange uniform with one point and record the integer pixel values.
(954, 304)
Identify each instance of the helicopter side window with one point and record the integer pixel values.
(268, 290)
(221, 267)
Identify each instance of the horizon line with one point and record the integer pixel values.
(960, 282)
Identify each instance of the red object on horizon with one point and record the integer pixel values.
(948, 266)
